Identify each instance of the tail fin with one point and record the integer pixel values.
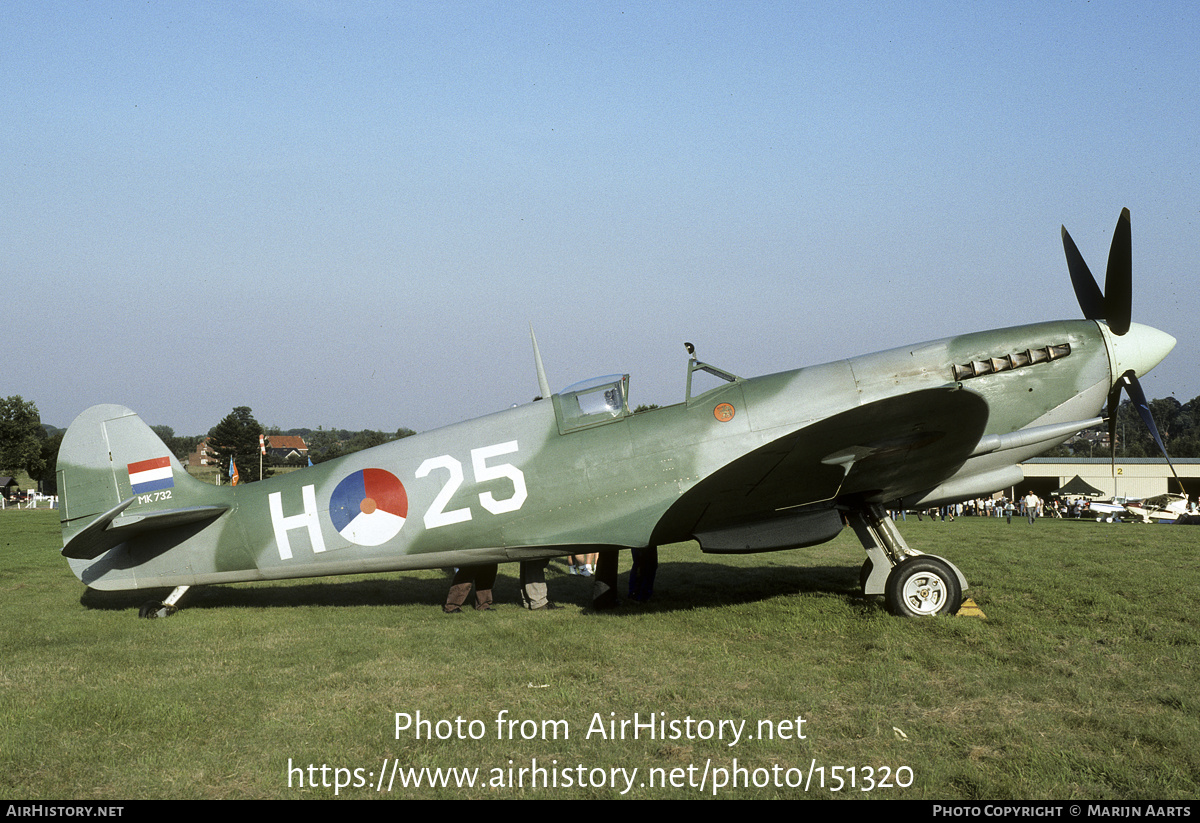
(108, 462)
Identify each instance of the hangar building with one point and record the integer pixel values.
(1136, 477)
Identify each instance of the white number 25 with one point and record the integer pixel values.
(437, 514)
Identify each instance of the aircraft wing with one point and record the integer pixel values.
(876, 452)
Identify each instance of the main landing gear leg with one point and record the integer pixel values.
(153, 608)
(913, 584)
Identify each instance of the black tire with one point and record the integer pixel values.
(923, 586)
(153, 609)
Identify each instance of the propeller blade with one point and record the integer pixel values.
(1134, 389)
(1114, 403)
(1118, 280)
(1086, 291)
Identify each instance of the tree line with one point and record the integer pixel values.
(1178, 423)
(28, 445)
(25, 444)
(239, 437)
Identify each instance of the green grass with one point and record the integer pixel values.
(1081, 682)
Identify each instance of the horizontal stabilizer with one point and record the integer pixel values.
(114, 527)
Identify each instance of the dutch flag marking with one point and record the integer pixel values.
(151, 475)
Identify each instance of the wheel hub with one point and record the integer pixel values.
(925, 593)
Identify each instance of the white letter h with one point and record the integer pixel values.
(306, 519)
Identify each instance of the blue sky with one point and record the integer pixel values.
(348, 214)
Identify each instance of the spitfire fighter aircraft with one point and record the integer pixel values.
(749, 465)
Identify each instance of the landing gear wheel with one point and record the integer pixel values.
(865, 573)
(154, 608)
(923, 586)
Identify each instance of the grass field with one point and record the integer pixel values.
(1080, 683)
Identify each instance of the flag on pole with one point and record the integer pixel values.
(233, 473)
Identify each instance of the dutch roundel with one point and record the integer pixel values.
(368, 507)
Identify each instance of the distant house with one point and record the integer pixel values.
(280, 449)
(284, 447)
(203, 455)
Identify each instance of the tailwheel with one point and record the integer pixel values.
(923, 586)
(155, 608)
(165, 608)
